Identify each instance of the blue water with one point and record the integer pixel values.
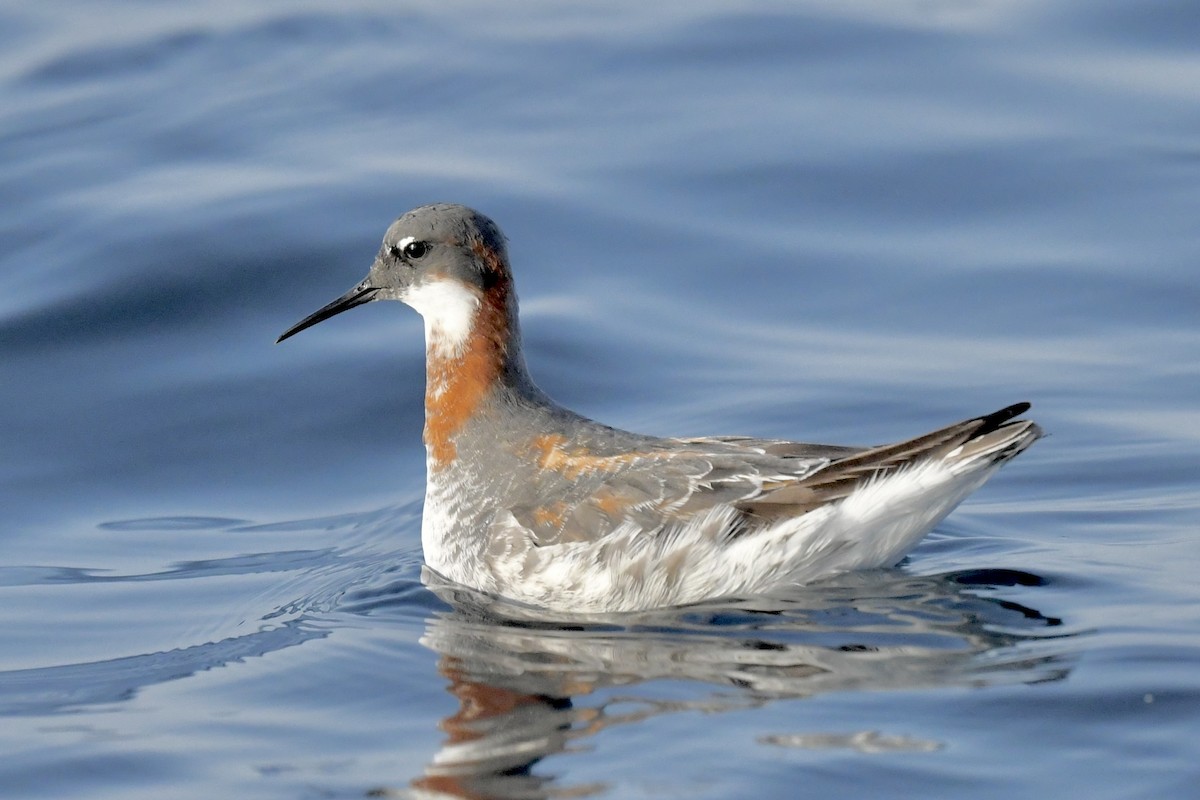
(844, 222)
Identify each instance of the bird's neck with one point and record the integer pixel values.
(472, 349)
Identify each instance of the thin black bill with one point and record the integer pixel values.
(355, 297)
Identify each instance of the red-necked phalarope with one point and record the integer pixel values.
(531, 501)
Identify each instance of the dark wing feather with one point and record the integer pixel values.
(994, 434)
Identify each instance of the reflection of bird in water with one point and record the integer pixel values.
(529, 688)
(494, 738)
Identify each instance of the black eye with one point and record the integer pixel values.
(410, 250)
(415, 249)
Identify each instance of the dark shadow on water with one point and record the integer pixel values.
(529, 687)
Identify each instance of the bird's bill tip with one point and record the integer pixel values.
(355, 297)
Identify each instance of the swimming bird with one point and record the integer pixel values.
(533, 502)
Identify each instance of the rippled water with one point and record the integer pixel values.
(848, 222)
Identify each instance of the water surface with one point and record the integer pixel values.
(834, 222)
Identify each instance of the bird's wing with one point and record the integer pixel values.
(664, 483)
(653, 486)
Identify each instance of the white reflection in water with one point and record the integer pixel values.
(529, 688)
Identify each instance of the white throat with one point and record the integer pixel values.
(448, 308)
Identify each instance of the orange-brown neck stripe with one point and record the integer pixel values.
(456, 386)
